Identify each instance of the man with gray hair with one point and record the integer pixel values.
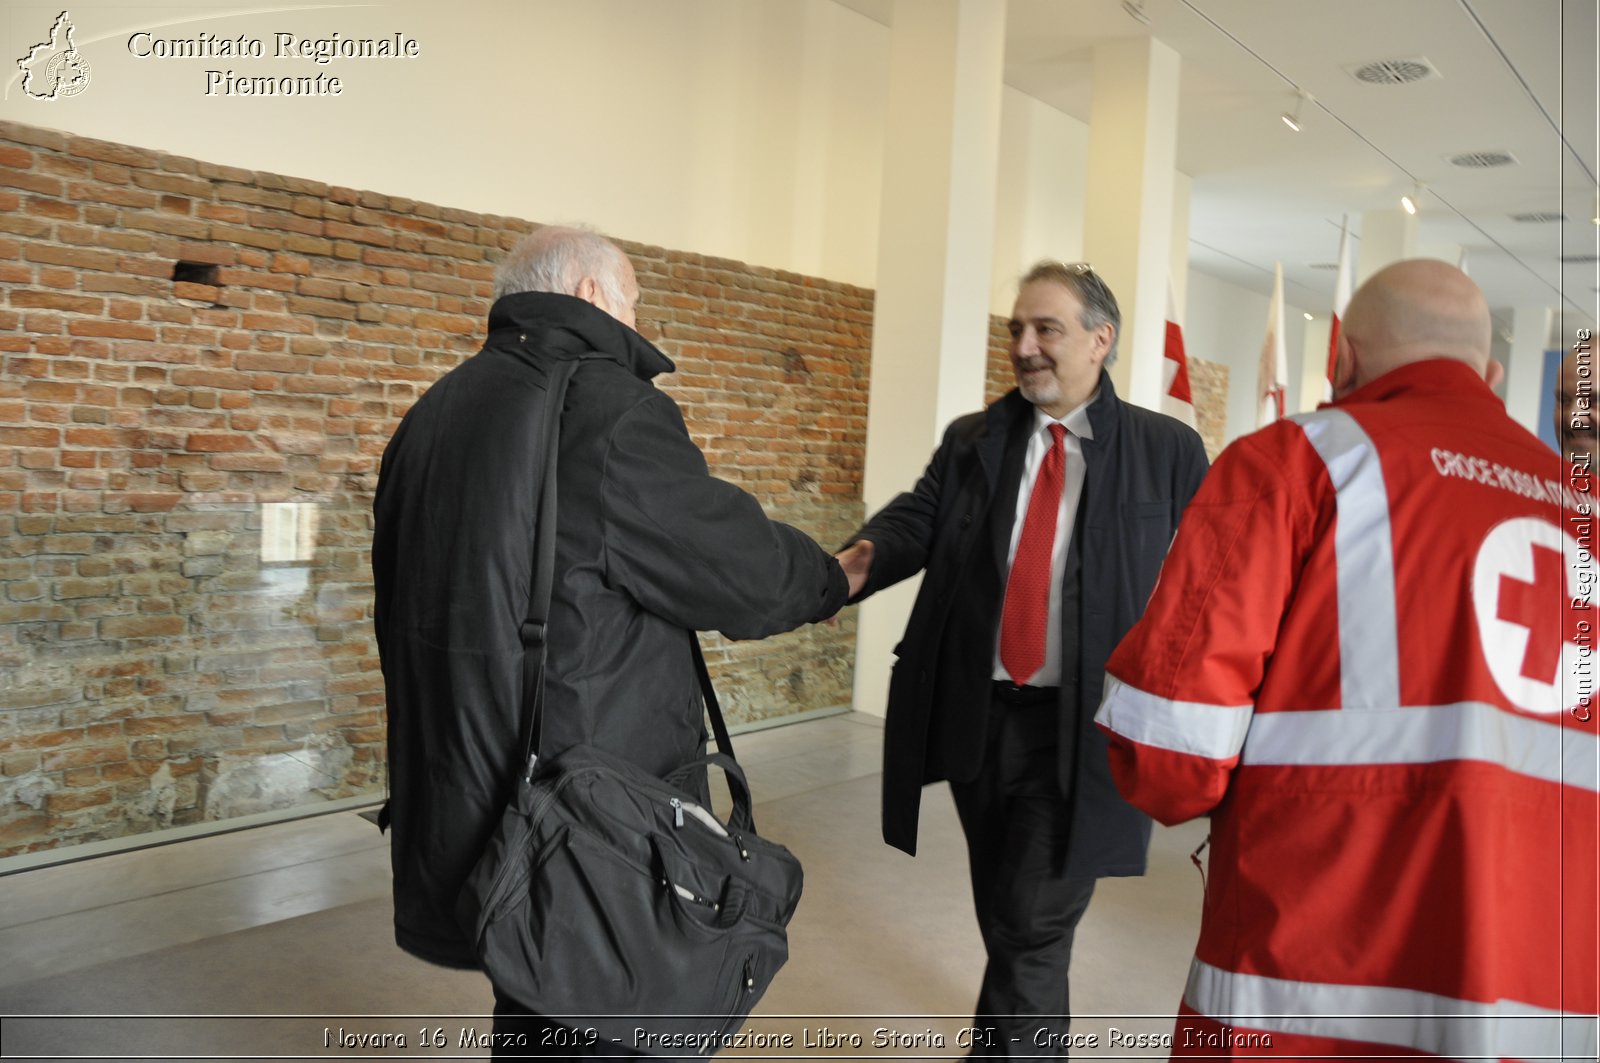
(1041, 524)
(649, 549)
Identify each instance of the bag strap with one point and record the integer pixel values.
(535, 628)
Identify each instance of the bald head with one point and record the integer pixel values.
(569, 261)
(1409, 312)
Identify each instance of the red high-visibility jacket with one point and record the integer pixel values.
(1371, 658)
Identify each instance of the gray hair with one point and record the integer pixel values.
(557, 259)
(1099, 305)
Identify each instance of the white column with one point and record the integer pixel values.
(1386, 236)
(1530, 336)
(936, 239)
(1178, 243)
(1314, 361)
(1127, 230)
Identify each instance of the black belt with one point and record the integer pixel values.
(1009, 693)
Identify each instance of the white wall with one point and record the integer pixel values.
(746, 130)
(1227, 323)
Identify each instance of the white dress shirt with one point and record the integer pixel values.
(1078, 428)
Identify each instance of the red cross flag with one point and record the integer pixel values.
(1177, 399)
(1272, 380)
(1341, 299)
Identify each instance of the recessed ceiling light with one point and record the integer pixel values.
(1308, 316)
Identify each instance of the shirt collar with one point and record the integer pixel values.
(1076, 421)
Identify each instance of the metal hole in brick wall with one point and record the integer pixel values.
(195, 273)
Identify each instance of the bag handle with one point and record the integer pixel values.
(535, 628)
(741, 819)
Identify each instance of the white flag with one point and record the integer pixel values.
(1272, 385)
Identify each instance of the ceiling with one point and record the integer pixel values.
(1514, 76)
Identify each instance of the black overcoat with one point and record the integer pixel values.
(649, 547)
(1141, 470)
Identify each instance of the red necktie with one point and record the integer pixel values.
(1027, 607)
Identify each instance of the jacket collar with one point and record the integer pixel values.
(567, 326)
(1103, 413)
(1011, 411)
(1435, 376)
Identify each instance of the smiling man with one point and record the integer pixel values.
(1041, 523)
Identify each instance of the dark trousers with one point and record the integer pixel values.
(1017, 826)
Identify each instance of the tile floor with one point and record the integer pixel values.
(275, 942)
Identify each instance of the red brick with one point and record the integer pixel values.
(119, 154)
(218, 442)
(120, 330)
(72, 800)
(30, 437)
(81, 304)
(140, 627)
(82, 258)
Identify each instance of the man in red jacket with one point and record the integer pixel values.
(1370, 659)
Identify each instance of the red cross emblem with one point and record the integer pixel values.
(1544, 608)
(1532, 588)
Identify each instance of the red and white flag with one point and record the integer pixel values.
(1341, 299)
(1272, 379)
(1177, 399)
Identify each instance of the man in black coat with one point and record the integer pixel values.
(1041, 524)
(649, 548)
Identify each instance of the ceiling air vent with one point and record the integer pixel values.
(1579, 260)
(1393, 71)
(1539, 217)
(1322, 265)
(1482, 160)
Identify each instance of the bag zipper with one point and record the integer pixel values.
(711, 823)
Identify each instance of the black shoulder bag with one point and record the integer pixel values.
(613, 900)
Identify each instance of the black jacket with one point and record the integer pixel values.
(1141, 470)
(649, 548)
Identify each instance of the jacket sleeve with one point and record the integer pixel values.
(697, 550)
(902, 531)
(1181, 687)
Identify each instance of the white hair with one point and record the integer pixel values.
(557, 259)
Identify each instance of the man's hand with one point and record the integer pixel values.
(856, 560)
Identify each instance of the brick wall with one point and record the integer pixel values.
(1208, 382)
(202, 365)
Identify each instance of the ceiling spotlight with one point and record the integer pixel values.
(1308, 316)
(1412, 201)
(1292, 118)
(1135, 10)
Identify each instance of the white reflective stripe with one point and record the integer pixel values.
(1215, 731)
(1427, 1022)
(1426, 734)
(1369, 660)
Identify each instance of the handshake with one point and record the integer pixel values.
(856, 560)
